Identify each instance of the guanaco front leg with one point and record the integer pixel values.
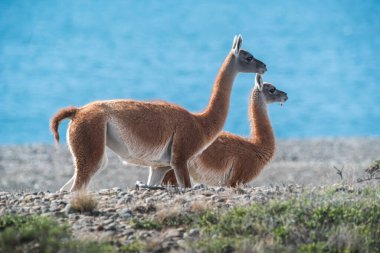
(182, 175)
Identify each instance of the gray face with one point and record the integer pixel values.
(249, 64)
(273, 95)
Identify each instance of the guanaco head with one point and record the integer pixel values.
(270, 93)
(245, 60)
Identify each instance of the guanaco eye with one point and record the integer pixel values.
(249, 58)
(272, 90)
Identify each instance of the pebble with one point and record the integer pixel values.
(194, 232)
(173, 233)
(126, 213)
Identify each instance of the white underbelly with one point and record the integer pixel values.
(134, 151)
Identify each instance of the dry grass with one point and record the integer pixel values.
(200, 206)
(168, 212)
(83, 202)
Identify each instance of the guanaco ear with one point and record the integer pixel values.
(236, 45)
(259, 82)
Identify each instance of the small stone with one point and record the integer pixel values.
(207, 194)
(182, 243)
(199, 186)
(169, 244)
(36, 208)
(220, 189)
(121, 194)
(140, 209)
(126, 213)
(116, 189)
(150, 200)
(108, 221)
(128, 232)
(69, 209)
(103, 191)
(145, 235)
(170, 233)
(194, 232)
(110, 227)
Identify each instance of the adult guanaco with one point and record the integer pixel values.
(231, 160)
(155, 134)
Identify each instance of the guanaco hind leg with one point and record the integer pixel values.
(87, 145)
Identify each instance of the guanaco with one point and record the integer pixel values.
(155, 134)
(232, 160)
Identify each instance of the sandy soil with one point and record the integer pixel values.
(41, 167)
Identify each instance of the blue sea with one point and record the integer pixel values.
(325, 54)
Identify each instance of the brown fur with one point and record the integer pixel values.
(232, 160)
(143, 132)
(68, 112)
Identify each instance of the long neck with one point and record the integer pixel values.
(261, 128)
(215, 114)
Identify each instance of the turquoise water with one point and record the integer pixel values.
(324, 54)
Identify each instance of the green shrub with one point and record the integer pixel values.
(298, 224)
(41, 234)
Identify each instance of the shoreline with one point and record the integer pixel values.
(41, 167)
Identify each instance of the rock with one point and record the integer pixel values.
(194, 232)
(36, 208)
(69, 209)
(220, 189)
(170, 233)
(207, 193)
(182, 243)
(110, 227)
(128, 232)
(199, 187)
(126, 213)
(169, 244)
(117, 189)
(145, 234)
(108, 221)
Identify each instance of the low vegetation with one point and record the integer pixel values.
(336, 219)
(41, 234)
(83, 202)
(324, 223)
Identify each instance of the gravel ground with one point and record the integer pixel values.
(42, 167)
(112, 220)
